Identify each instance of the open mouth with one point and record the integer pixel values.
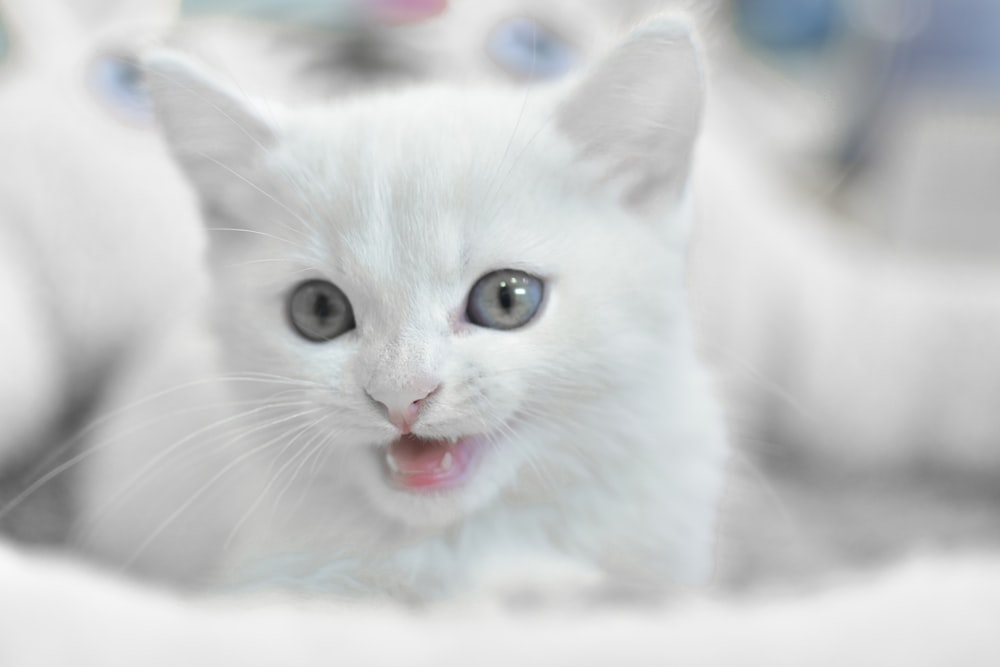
(416, 464)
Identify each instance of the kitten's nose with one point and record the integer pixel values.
(402, 406)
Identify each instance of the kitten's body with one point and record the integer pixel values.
(827, 371)
(84, 344)
(92, 291)
(954, 602)
(596, 438)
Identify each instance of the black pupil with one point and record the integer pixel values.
(323, 308)
(506, 296)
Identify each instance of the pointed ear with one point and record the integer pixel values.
(216, 136)
(637, 113)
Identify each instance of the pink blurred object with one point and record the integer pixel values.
(405, 11)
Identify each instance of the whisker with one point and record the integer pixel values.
(517, 125)
(151, 465)
(304, 453)
(317, 455)
(271, 480)
(193, 498)
(495, 207)
(255, 232)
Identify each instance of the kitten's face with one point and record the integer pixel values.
(441, 273)
(434, 367)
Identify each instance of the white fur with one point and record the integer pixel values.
(605, 444)
(94, 222)
(940, 612)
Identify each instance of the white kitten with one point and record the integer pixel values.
(459, 319)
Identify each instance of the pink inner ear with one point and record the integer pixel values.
(405, 11)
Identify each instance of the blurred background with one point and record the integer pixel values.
(845, 274)
(849, 275)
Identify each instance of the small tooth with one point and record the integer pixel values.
(391, 462)
(446, 461)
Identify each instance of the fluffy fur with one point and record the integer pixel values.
(97, 233)
(604, 446)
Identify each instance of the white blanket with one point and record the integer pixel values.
(927, 612)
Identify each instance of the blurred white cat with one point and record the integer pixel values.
(97, 231)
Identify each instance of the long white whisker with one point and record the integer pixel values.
(305, 453)
(194, 497)
(271, 480)
(144, 472)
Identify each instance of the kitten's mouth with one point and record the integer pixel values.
(416, 464)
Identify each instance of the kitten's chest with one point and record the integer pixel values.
(511, 553)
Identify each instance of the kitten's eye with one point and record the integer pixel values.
(319, 311)
(528, 50)
(505, 299)
(118, 82)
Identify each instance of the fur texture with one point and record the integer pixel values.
(98, 236)
(601, 444)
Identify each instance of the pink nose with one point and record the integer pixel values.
(402, 407)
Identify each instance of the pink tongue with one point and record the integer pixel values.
(413, 455)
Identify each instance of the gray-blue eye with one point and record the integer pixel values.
(505, 299)
(319, 311)
(528, 50)
(118, 82)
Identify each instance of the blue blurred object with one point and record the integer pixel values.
(788, 25)
(960, 44)
(118, 83)
(528, 50)
(318, 13)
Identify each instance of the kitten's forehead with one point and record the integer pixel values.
(413, 195)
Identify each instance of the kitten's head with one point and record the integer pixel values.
(452, 290)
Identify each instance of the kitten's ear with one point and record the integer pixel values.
(214, 133)
(637, 113)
